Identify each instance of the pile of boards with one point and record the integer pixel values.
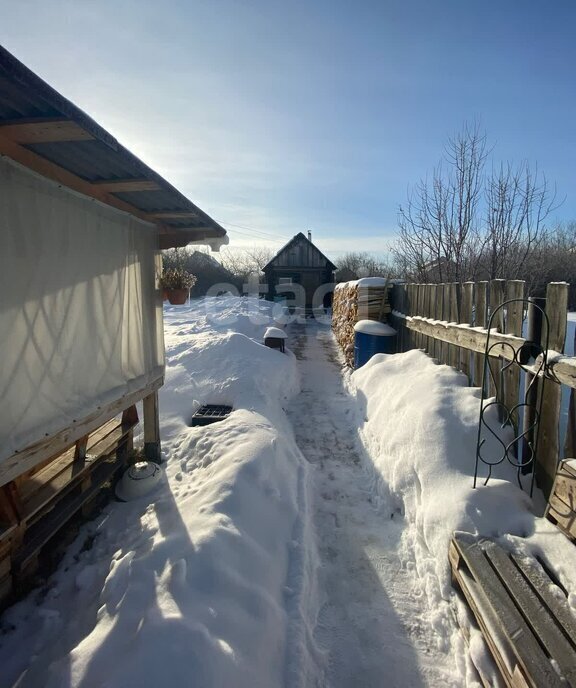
(365, 299)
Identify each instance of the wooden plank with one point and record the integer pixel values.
(530, 656)
(561, 507)
(174, 215)
(513, 325)
(60, 462)
(47, 131)
(497, 297)
(127, 185)
(27, 458)
(480, 303)
(541, 584)
(463, 336)
(408, 336)
(548, 450)
(432, 314)
(152, 449)
(441, 347)
(535, 613)
(455, 297)
(570, 438)
(486, 618)
(9, 508)
(39, 534)
(466, 319)
(72, 473)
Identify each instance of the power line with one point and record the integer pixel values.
(253, 229)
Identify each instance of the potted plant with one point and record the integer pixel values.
(176, 284)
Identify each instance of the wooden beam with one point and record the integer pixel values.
(48, 169)
(548, 449)
(51, 131)
(127, 185)
(471, 338)
(29, 457)
(561, 369)
(174, 215)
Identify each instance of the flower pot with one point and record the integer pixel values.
(177, 297)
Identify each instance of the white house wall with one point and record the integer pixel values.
(80, 321)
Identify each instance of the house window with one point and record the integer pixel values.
(284, 280)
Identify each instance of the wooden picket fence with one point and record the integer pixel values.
(449, 322)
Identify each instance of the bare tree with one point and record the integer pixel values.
(517, 204)
(357, 264)
(465, 223)
(439, 224)
(245, 262)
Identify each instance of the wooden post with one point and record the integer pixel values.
(408, 311)
(152, 428)
(514, 318)
(466, 319)
(480, 295)
(440, 314)
(454, 317)
(433, 346)
(419, 300)
(548, 449)
(531, 385)
(446, 316)
(570, 440)
(497, 291)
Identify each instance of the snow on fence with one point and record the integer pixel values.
(363, 299)
(449, 322)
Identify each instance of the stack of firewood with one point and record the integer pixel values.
(354, 301)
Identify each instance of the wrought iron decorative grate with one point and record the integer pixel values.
(523, 417)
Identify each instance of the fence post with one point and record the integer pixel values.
(432, 314)
(514, 318)
(420, 311)
(480, 293)
(454, 317)
(570, 439)
(497, 291)
(409, 341)
(466, 319)
(441, 315)
(446, 317)
(549, 442)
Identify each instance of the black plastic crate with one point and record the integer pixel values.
(210, 413)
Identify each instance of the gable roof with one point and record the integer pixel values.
(45, 132)
(296, 239)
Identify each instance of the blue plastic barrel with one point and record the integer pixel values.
(372, 337)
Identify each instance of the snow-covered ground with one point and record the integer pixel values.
(300, 542)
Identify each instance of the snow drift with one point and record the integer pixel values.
(418, 421)
(210, 584)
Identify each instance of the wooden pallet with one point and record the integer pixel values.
(561, 508)
(527, 628)
(38, 504)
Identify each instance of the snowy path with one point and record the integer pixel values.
(372, 624)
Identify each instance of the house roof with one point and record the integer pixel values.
(295, 239)
(44, 131)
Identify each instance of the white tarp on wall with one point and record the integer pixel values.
(80, 322)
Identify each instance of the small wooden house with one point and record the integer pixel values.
(82, 223)
(300, 262)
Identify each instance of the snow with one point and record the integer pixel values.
(418, 421)
(275, 332)
(375, 328)
(372, 282)
(302, 541)
(209, 582)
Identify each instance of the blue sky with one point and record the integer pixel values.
(284, 116)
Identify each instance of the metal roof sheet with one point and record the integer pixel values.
(30, 107)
